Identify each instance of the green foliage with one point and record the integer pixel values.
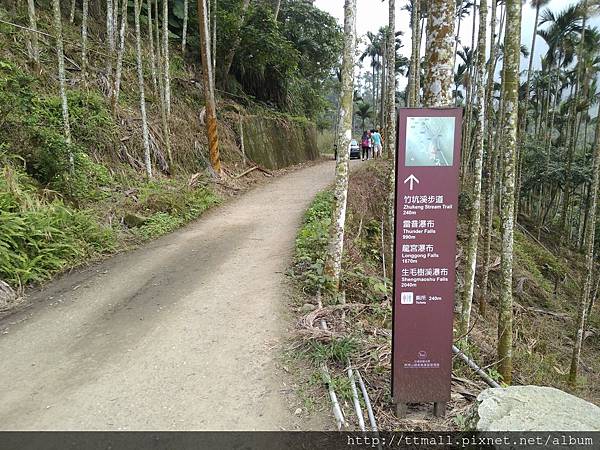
(367, 288)
(39, 238)
(31, 125)
(543, 265)
(169, 206)
(285, 63)
(337, 350)
(343, 387)
(495, 375)
(159, 224)
(266, 62)
(311, 244)
(165, 196)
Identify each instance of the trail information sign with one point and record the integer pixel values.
(427, 161)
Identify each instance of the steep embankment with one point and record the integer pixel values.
(546, 280)
(277, 143)
(53, 217)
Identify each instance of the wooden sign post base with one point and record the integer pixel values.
(439, 409)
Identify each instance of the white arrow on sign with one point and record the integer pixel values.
(412, 180)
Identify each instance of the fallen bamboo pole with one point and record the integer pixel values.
(246, 172)
(357, 408)
(469, 362)
(337, 410)
(365, 394)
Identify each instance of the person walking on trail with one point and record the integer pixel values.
(366, 144)
(377, 144)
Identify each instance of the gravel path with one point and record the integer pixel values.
(181, 334)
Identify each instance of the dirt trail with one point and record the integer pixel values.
(182, 334)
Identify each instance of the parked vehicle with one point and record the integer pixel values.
(354, 149)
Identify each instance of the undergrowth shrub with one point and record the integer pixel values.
(311, 245)
(158, 224)
(337, 350)
(40, 237)
(31, 126)
(172, 207)
(166, 196)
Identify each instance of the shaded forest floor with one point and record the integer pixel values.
(544, 311)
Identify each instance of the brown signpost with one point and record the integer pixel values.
(427, 161)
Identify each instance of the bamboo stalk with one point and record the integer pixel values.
(469, 362)
(246, 172)
(357, 408)
(365, 394)
(383, 257)
(337, 410)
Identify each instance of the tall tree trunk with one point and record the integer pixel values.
(383, 91)
(62, 78)
(209, 88)
(277, 8)
(333, 265)
(72, 13)
(140, 73)
(456, 41)
(414, 56)
(523, 121)
(594, 296)
(390, 122)
(586, 217)
(185, 25)
(582, 307)
(375, 90)
(573, 115)
(34, 50)
(512, 49)
(418, 78)
(488, 180)
(235, 42)
(110, 42)
(151, 39)
(84, 36)
(474, 223)
(468, 123)
(440, 37)
(120, 54)
(161, 66)
(214, 40)
(167, 71)
(390, 114)
(115, 17)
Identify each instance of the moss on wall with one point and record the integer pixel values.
(275, 143)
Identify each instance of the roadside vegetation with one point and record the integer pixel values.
(95, 175)
(360, 330)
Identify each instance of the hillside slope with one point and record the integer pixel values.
(546, 282)
(53, 218)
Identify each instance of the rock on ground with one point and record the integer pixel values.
(534, 408)
(7, 295)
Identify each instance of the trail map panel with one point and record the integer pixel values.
(427, 161)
